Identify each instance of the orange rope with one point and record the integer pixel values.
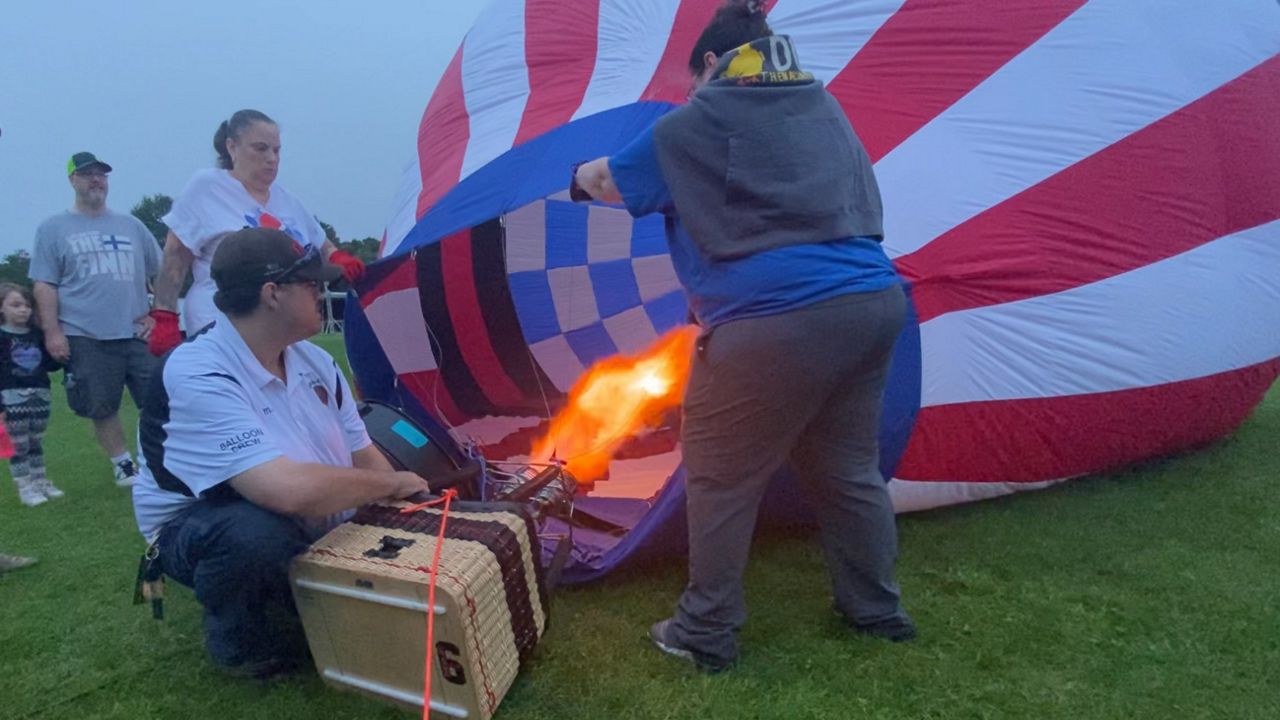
(446, 498)
(415, 508)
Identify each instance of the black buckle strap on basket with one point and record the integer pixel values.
(149, 585)
(556, 566)
(587, 521)
(390, 548)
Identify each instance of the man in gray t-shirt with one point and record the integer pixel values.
(90, 268)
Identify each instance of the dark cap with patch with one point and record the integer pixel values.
(82, 160)
(253, 256)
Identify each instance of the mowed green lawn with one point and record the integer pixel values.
(1152, 593)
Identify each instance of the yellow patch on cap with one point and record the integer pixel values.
(746, 63)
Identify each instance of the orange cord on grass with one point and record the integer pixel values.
(445, 498)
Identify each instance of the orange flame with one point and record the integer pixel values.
(616, 399)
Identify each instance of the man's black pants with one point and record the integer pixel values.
(235, 556)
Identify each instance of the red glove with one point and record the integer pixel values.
(165, 336)
(352, 268)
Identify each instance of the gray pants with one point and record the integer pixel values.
(806, 386)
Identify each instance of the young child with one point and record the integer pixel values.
(24, 393)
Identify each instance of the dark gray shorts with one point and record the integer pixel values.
(99, 370)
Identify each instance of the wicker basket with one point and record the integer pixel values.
(362, 593)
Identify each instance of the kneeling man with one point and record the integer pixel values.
(252, 448)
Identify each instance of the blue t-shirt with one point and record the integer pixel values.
(767, 283)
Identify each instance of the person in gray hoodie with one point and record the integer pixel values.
(774, 222)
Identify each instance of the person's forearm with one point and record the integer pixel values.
(327, 249)
(173, 272)
(333, 489)
(312, 489)
(47, 307)
(371, 458)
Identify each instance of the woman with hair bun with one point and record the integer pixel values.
(241, 192)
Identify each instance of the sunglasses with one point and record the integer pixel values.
(312, 255)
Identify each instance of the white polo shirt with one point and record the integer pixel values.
(220, 412)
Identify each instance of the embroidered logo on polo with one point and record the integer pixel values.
(317, 386)
(241, 441)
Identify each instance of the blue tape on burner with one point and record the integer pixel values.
(411, 434)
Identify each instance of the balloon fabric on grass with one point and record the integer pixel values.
(1083, 198)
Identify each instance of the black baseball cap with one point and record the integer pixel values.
(253, 256)
(82, 160)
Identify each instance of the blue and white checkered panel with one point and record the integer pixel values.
(573, 295)
(608, 234)
(588, 282)
(529, 226)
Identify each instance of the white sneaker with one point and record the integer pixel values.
(126, 473)
(31, 496)
(13, 562)
(48, 489)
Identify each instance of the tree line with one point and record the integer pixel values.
(14, 266)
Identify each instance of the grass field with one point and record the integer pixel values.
(1152, 593)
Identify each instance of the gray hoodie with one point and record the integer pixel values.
(763, 157)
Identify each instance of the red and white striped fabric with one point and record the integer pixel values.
(1084, 196)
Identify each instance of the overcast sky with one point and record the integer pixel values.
(144, 83)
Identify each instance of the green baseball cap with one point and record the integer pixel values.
(82, 160)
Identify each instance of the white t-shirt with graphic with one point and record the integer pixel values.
(214, 202)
